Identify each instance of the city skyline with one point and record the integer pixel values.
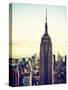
(28, 26)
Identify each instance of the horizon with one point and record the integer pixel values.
(28, 26)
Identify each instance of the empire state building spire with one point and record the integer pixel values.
(45, 69)
(46, 31)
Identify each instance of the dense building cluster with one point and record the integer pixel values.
(25, 71)
(60, 70)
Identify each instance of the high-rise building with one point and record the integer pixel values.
(35, 59)
(54, 61)
(53, 67)
(46, 57)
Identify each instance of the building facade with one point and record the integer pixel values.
(46, 57)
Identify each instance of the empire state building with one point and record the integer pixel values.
(46, 57)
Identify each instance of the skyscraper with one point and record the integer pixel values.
(46, 57)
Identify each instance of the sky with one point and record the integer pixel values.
(28, 26)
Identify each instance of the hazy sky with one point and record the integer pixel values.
(28, 26)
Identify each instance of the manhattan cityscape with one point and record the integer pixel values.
(44, 64)
(25, 69)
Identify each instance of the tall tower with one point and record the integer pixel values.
(46, 57)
